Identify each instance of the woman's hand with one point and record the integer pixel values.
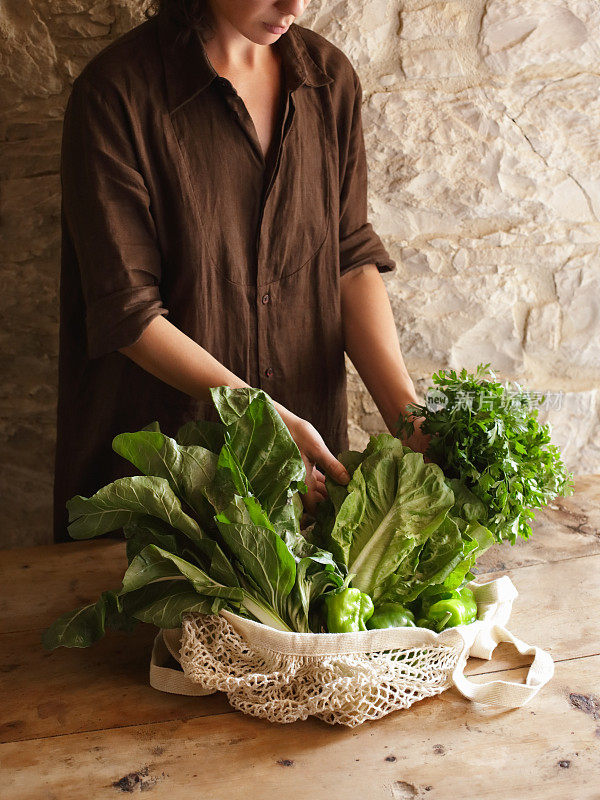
(418, 441)
(315, 454)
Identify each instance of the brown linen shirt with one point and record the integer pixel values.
(169, 207)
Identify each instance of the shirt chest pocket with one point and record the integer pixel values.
(250, 227)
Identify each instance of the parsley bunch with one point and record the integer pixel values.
(486, 434)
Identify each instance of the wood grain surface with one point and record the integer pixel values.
(86, 724)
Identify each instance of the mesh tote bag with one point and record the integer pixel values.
(344, 678)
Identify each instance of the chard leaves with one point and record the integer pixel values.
(264, 555)
(131, 503)
(146, 530)
(122, 501)
(85, 625)
(155, 564)
(317, 572)
(260, 449)
(202, 432)
(188, 470)
(164, 603)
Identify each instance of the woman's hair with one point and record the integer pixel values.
(190, 15)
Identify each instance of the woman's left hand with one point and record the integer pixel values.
(315, 454)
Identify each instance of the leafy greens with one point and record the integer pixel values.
(400, 526)
(487, 435)
(213, 521)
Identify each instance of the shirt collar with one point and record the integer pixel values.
(188, 69)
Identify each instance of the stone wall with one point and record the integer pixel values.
(481, 121)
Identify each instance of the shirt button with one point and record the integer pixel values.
(268, 372)
(265, 298)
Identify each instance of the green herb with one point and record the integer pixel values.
(487, 435)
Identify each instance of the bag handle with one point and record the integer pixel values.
(167, 679)
(506, 694)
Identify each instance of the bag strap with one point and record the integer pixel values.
(506, 694)
(167, 679)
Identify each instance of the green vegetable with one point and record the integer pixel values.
(399, 526)
(393, 503)
(347, 610)
(391, 615)
(448, 609)
(213, 523)
(486, 435)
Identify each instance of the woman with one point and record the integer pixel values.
(213, 172)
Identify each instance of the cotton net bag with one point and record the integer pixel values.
(343, 678)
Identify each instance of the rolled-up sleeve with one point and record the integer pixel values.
(106, 206)
(359, 243)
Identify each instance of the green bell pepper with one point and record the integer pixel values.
(391, 615)
(424, 623)
(347, 610)
(448, 609)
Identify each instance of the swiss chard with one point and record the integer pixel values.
(212, 523)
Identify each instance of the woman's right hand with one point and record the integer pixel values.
(317, 458)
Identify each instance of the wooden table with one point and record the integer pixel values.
(86, 724)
